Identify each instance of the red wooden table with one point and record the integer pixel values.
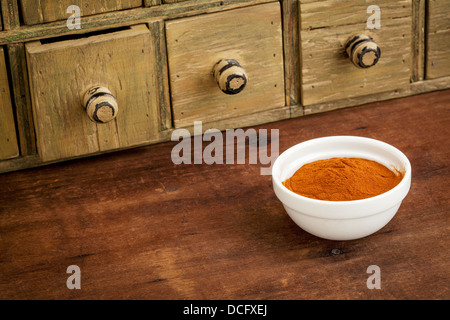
(140, 227)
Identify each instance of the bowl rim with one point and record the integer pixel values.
(404, 183)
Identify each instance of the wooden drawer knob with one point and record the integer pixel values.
(363, 51)
(230, 76)
(100, 104)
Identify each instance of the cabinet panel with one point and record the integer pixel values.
(327, 26)
(34, 12)
(62, 72)
(251, 37)
(8, 139)
(438, 39)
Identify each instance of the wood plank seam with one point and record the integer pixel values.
(10, 14)
(418, 40)
(21, 98)
(157, 28)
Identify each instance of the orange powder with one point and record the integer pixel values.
(343, 179)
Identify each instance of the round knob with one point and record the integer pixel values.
(230, 76)
(100, 104)
(363, 51)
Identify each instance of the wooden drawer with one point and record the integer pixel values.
(62, 72)
(326, 26)
(252, 36)
(34, 12)
(438, 39)
(8, 139)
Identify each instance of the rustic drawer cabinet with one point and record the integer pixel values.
(438, 39)
(8, 140)
(62, 72)
(34, 12)
(136, 70)
(251, 37)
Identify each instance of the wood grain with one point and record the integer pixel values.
(8, 140)
(10, 14)
(35, 12)
(414, 88)
(149, 3)
(251, 36)
(123, 18)
(22, 98)
(173, 1)
(438, 39)
(291, 51)
(418, 40)
(122, 61)
(162, 231)
(157, 29)
(328, 75)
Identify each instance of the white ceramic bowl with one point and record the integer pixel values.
(341, 220)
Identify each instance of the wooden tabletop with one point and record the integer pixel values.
(140, 227)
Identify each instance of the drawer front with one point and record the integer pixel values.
(438, 39)
(62, 72)
(326, 26)
(34, 12)
(251, 37)
(8, 139)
